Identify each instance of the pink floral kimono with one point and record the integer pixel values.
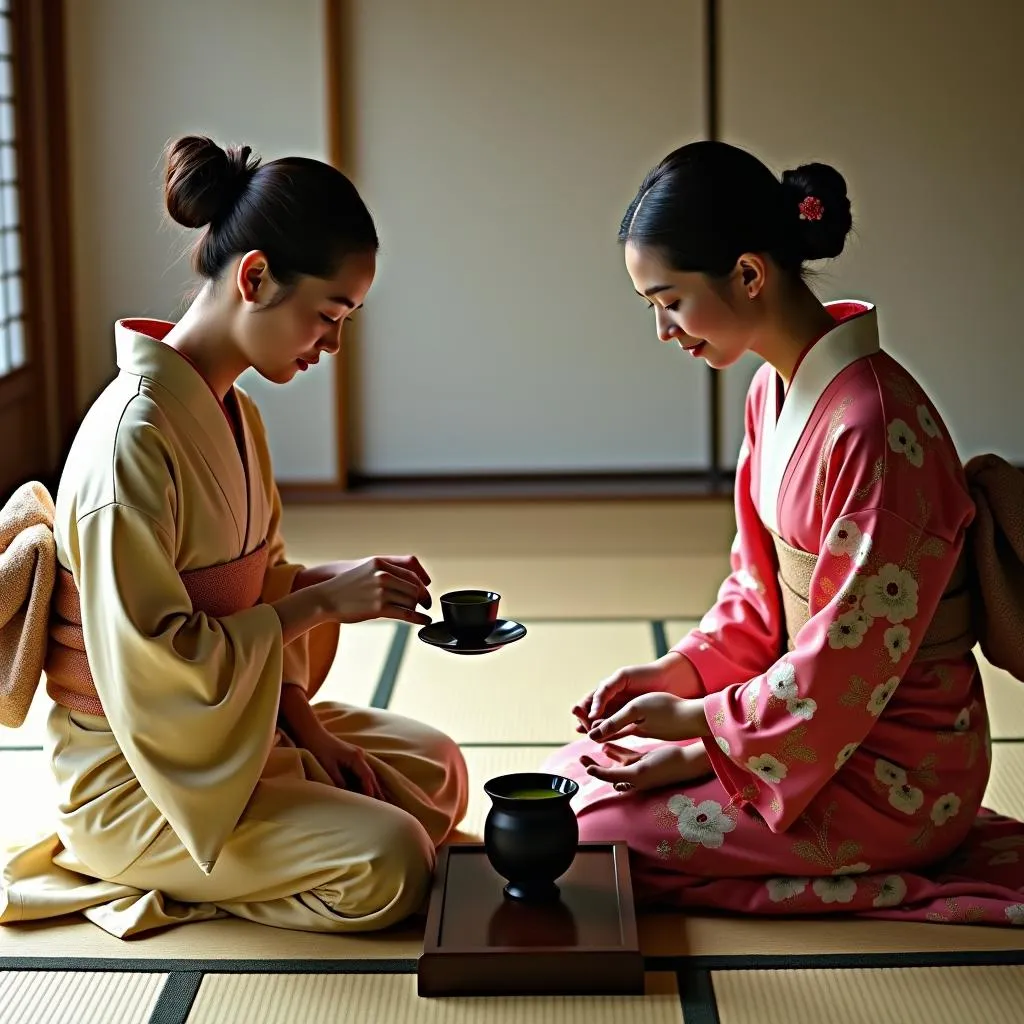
(851, 743)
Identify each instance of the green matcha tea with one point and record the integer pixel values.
(534, 794)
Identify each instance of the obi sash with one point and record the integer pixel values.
(950, 634)
(217, 591)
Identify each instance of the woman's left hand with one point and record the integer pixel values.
(663, 766)
(658, 716)
(344, 762)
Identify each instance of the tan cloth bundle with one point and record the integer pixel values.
(28, 567)
(984, 601)
(40, 616)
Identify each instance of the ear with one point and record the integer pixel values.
(752, 271)
(253, 279)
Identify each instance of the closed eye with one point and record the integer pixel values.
(327, 319)
(671, 308)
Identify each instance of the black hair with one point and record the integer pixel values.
(707, 203)
(304, 215)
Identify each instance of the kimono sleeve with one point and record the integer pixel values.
(778, 738)
(308, 658)
(192, 700)
(741, 635)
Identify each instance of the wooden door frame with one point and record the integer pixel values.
(40, 83)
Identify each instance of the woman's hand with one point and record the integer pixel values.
(344, 763)
(663, 766)
(659, 716)
(374, 588)
(672, 674)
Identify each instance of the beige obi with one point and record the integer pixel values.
(950, 633)
(216, 590)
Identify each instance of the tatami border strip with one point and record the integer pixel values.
(660, 639)
(697, 996)
(407, 965)
(176, 998)
(389, 673)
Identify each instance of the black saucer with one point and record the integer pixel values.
(505, 632)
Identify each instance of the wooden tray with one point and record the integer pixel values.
(478, 942)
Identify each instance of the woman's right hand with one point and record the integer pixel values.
(377, 588)
(672, 673)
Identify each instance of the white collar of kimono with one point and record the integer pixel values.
(141, 350)
(852, 338)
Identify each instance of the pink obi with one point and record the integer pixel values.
(217, 591)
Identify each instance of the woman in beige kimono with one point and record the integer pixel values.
(196, 777)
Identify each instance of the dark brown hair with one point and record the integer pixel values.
(304, 215)
(707, 203)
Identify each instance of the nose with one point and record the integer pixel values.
(667, 331)
(330, 342)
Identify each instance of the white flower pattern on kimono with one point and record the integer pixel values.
(963, 720)
(847, 631)
(853, 869)
(709, 624)
(881, 695)
(837, 889)
(891, 594)
(889, 773)
(864, 551)
(782, 681)
(1015, 913)
(802, 707)
(892, 892)
(782, 889)
(844, 538)
(945, 807)
(906, 798)
(749, 579)
(723, 745)
(767, 767)
(928, 424)
(845, 754)
(903, 440)
(897, 642)
(703, 823)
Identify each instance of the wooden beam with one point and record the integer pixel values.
(338, 147)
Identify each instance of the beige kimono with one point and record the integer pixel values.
(185, 801)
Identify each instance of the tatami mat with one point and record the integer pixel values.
(223, 939)
(524, 693)
(42, 997)
(392, 999)
(924, 995)
(590, 586)
(362, 653)
(1005, 792)
(1005, 698)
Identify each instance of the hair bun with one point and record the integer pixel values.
(821, 209)
(202, 182)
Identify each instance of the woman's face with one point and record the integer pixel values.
(702, 316)
(283, 338)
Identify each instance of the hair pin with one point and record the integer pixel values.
(811, 208)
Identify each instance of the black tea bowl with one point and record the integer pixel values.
(531, 833)
(470, 615)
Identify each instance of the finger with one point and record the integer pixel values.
(405, 591)
(623, 723)
(412, 563)
(621, 755)
(403, 614)
(604, 693)
(612, 773)
(401, 570)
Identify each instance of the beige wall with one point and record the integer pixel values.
(920, 104)
(498, 149)
(499, 145)
(145, 71)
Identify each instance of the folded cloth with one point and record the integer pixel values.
(28, 566)
(996, 539)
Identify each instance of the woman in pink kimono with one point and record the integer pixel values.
(820, 743)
